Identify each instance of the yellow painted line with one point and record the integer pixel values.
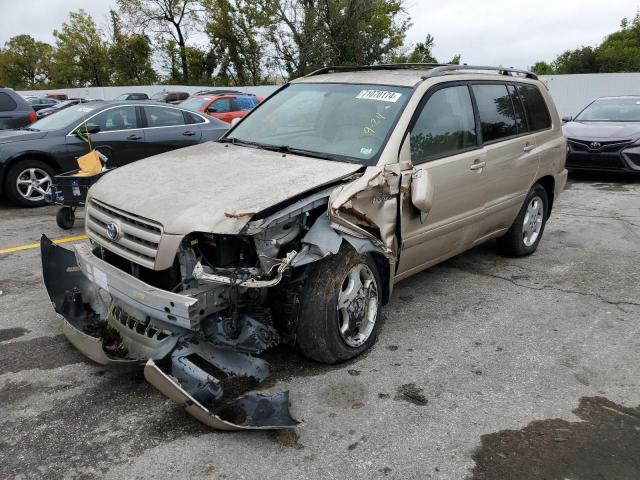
(31, 246)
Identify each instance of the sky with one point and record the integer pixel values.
(513, 33)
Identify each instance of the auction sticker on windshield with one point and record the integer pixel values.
(380, 95)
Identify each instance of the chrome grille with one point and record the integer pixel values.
(139, 238)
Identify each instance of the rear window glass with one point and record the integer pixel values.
(497, 118)
(536, 108)
(7, 104)
(163, 117)
(245, 103)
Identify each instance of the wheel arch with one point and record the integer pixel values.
(35, 155)
(548, 183)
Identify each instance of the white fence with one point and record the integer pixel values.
(571, 93)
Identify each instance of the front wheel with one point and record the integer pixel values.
(27, 182)
(524, 235)
(65, 218)
(340, 307)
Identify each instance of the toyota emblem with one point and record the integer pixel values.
(113, 231)
(594, 145)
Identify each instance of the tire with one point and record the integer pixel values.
(318, 333)
(526, 232)
(25, 171)
(65, 218)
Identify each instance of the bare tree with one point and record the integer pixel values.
(166, 18)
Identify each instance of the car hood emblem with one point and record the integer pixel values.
(113, 231)
(595, 145)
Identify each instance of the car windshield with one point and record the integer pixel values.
(612, 110)
(195, 103)
(159, 96)
(350, 121)
(67, 117)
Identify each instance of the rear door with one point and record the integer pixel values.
(445, 148)
(512, 161)
(168, 128)
(10, 116)
(120, 130)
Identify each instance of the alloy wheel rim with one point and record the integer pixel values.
(532, 223)
(32, 184)
(357, 306)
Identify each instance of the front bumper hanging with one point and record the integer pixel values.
(209, 382)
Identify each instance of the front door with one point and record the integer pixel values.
(119, 130)
(445, 148)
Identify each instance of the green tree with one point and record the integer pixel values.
(26, 63)
(170, 20)
(543, 68)
(362, 32)
(580, 60)
(130, 56)
(81, 57)
(236, 29)
(620, 52)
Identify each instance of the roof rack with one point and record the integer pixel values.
(442, 69)
(435, 69)
(381, 66)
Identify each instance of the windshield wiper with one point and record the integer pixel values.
(305, 153)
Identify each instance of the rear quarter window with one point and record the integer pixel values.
(535, 106)
(7, 104)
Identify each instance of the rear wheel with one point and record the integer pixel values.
(526, 232)
(340, 307)
(28, 181)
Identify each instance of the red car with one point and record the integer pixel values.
(223, 106)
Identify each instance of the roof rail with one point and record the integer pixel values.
(442, 69)
(381, 66)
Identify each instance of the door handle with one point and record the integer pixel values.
(477, 165)
(134, 137)
(528, 147)
(188, 133)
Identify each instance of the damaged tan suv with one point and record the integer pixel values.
(295, 226)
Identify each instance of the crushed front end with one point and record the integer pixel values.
(198, 339)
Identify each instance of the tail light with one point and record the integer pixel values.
(32, 117)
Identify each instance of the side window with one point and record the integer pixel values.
(163, 117)
(243, 103)
(222, 106)
(7, 104)
(120, 118)
(191, 118)
(521, 118)
(536, 108)
(445, 125)
(497, 118)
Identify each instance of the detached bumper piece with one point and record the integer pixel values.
(209, 381)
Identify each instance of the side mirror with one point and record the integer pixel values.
(211, 110)
(422, 192)
(567, 119)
